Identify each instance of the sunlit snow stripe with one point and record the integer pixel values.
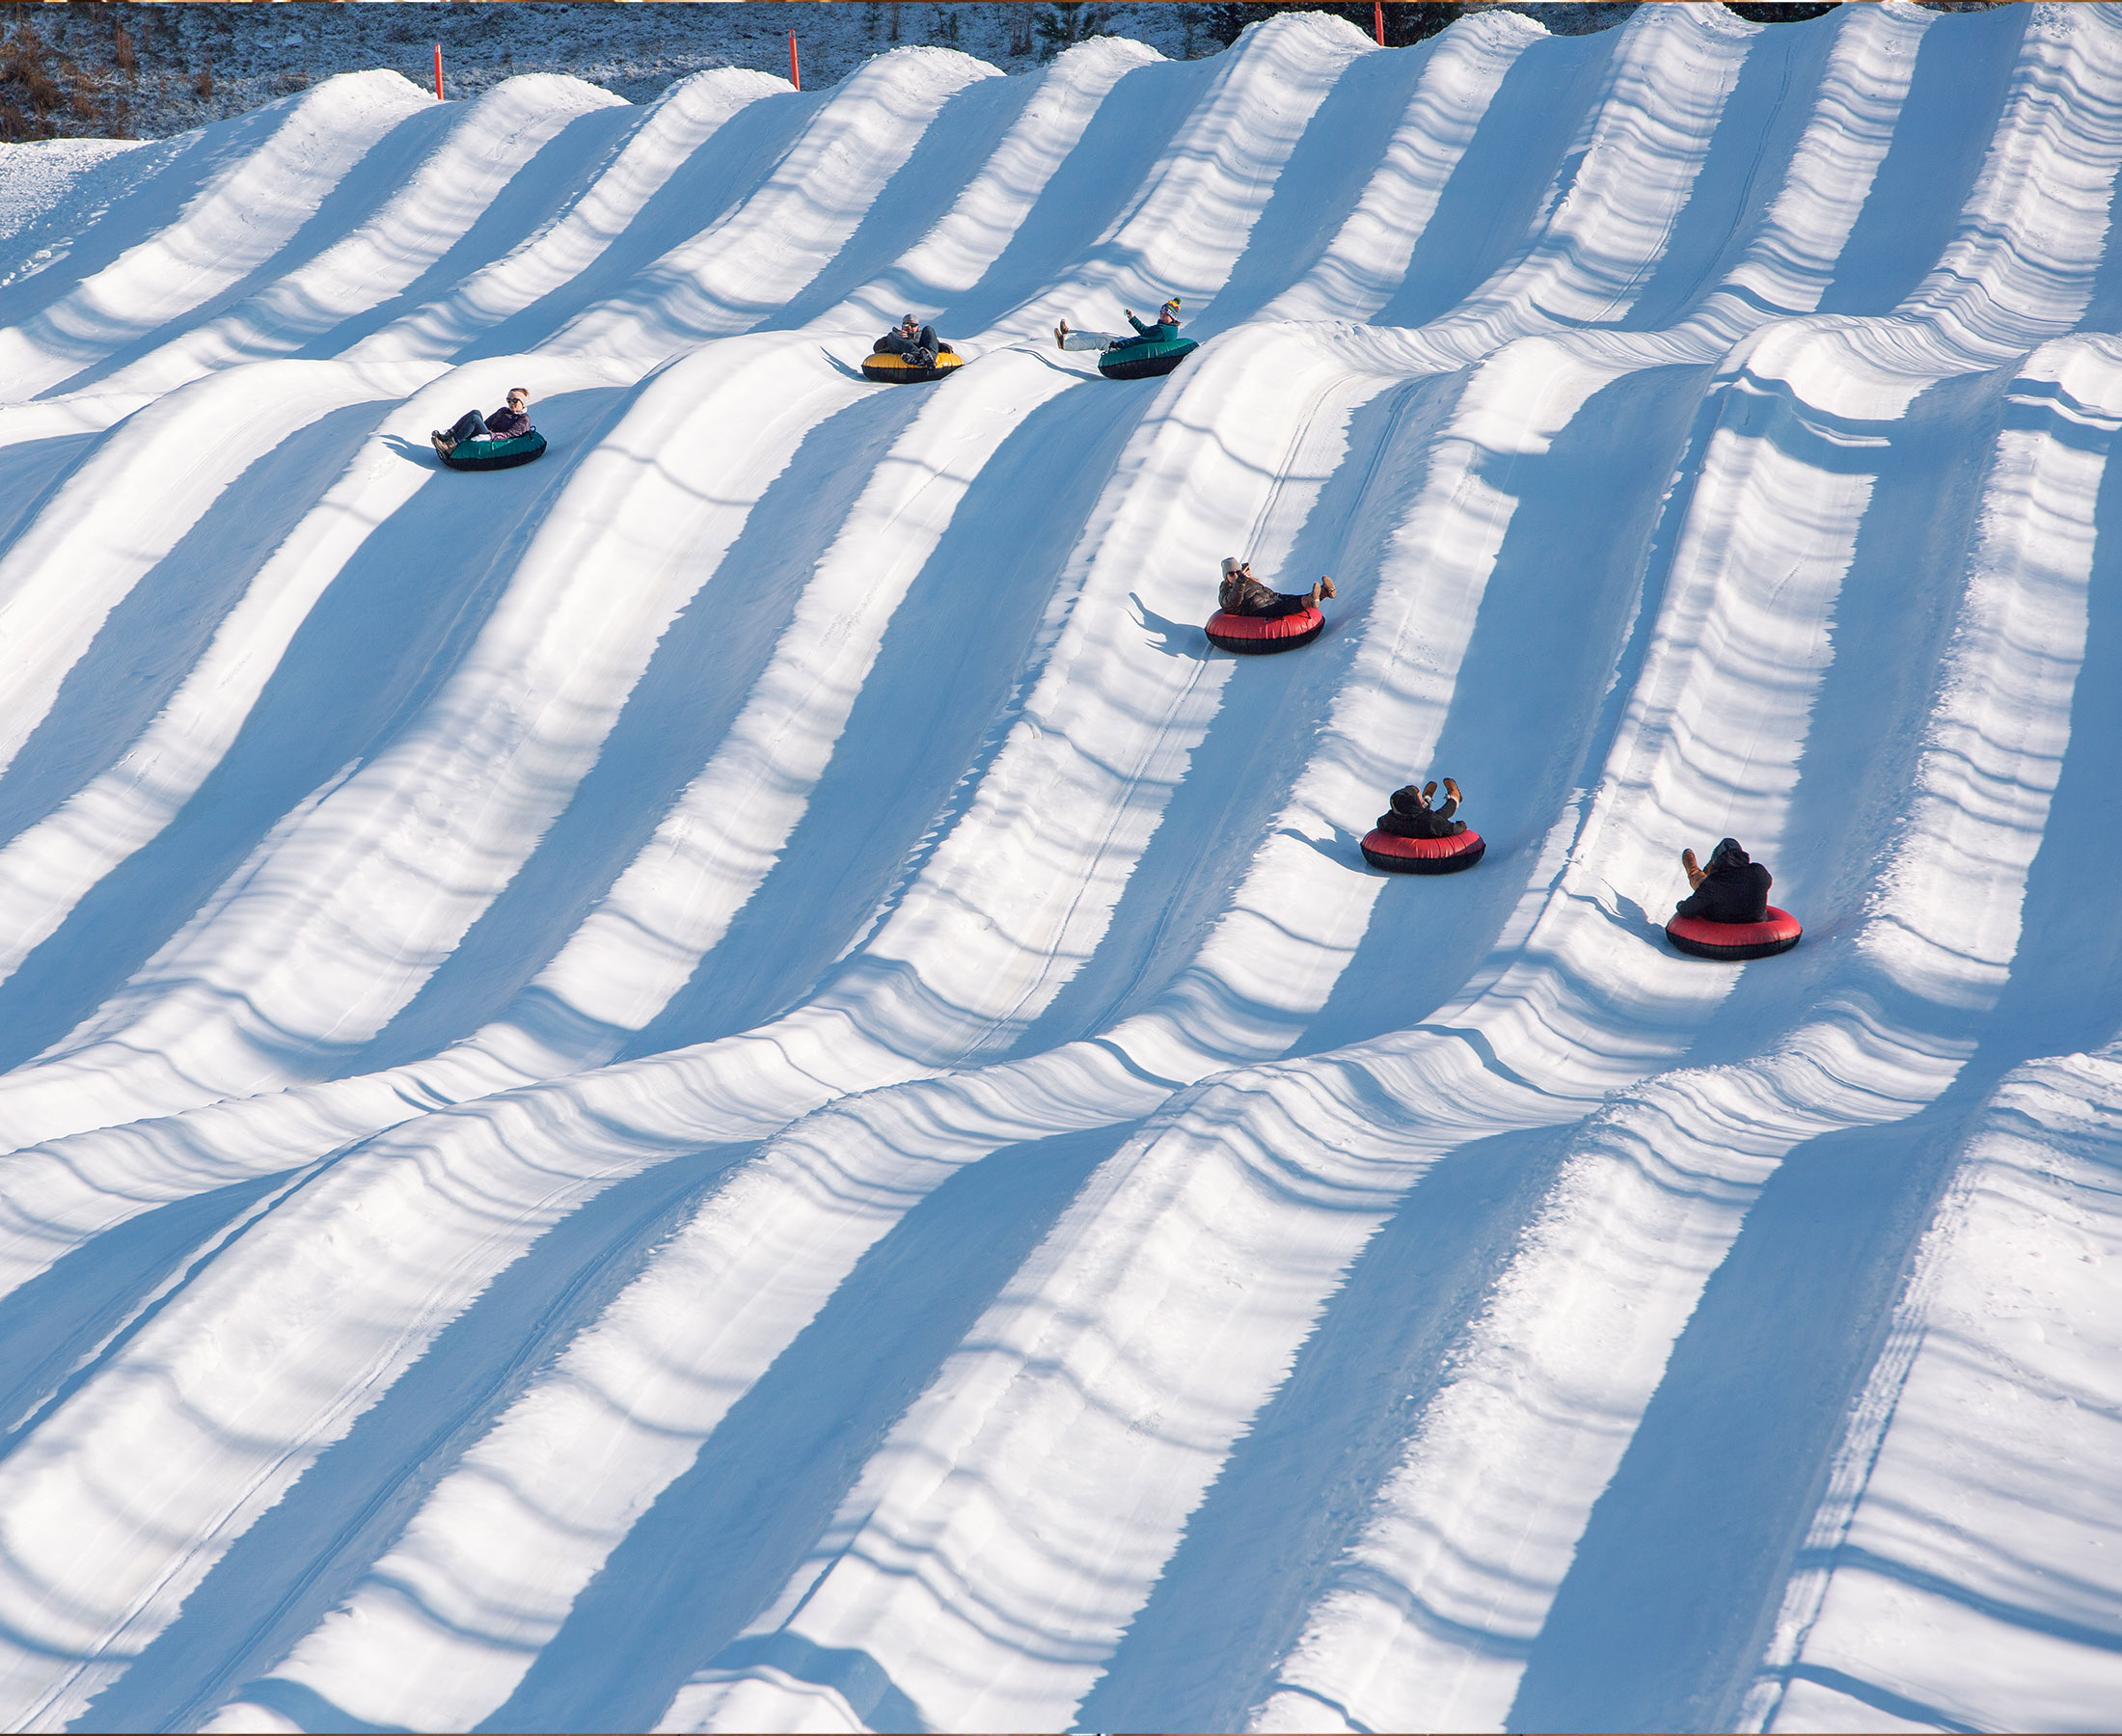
(1624, 185)
(1961, 1571)
(708, 854)
(681, 123)
(2042, 207)
(78, 413)
(1016, 896)
(45, 869)
(343, 910)
(738, 271)
(496, 139)
(1188, 224)
(1367, 257)
(2026, 255)
(1427, 1624)
(130, 502)
(1792, 259)
(231, 227)
(987, 215)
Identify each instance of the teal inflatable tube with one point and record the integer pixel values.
(1144, 358)
(497, 454)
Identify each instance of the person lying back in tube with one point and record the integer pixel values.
(1732, 889)
(1242, 594)
(510, 421)
(917, 343)
(1411, 815)
(1166, 326)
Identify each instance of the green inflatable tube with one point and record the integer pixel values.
(1144, 358)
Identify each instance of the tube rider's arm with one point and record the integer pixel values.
(1141, 330)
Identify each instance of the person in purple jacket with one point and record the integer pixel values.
(510, 421)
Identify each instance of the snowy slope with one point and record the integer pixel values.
(727, 1082)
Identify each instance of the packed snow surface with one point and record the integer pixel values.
(729, 1082)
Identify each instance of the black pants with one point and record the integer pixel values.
(1283, 606)
(921, 350)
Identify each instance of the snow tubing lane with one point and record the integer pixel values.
(1144, 358)
(895, 370)
(1397, 854)
(498, 454)
(1736, 939)
(1256, 635)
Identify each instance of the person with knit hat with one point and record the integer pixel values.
(1166, 326)
(1732, 889)
(918, 343)
(1242, 594)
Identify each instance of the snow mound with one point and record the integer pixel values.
(728, 1081)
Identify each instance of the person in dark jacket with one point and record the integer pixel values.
(511, 420)
(1166, 326)
(1411, 816)
(1242, 594)
(918, 343)
(1732, 889)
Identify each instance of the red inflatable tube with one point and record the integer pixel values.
(1736, 939)
(1255, 634)
(1397, 854)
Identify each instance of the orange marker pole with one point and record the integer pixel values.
(1378, 21)
(795, 73)
(438, 71)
